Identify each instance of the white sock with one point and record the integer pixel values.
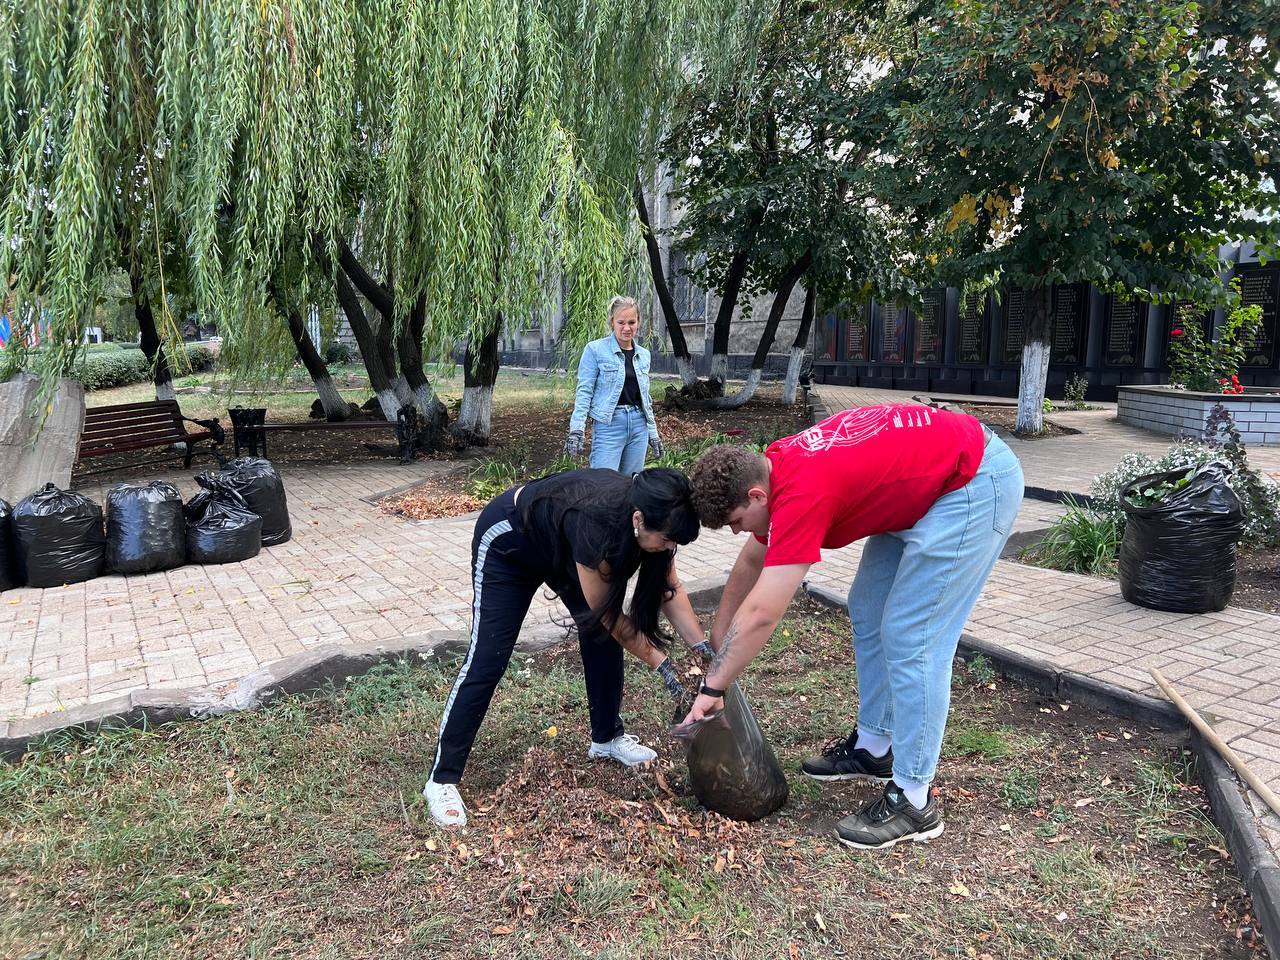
(919, 796)
(876, 744)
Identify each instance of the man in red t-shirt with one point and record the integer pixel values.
(936, 493)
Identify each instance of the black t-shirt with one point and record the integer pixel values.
(631, 388)
(577, 515)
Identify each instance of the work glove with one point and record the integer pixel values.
(655, 444)
(708, 652)
(667, 672)
(573, 443)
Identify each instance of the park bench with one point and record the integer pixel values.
(249, 429)
(122, 427)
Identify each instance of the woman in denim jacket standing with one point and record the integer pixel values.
(613, 389)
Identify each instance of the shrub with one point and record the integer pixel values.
(1074, 390)
(1259, 495)
(111, 368)
(1212, 366)
(1081, 541)
(199, 358)
(336, 353)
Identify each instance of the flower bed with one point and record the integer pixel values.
(1182, 413)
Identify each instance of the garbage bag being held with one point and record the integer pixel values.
(220, 526)
(8, 560)
(59, 538)
(146, 529)
(732, 768)
(257, 481)
(1179, 551)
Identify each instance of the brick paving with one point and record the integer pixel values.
(352, 575)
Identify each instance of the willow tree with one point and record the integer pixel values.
(456, 150)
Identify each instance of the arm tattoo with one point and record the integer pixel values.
(725, 646)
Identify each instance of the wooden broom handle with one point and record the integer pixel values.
(1238, 765)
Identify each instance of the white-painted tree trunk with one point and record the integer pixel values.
(335, 408)
(742, 396)
(791, 385)
(32, 453)
(720, 367)
(164, 391)
(476, 415)
(401, 386)
(388, 403)
(429, 405)
(684, 366)
(1031, 384)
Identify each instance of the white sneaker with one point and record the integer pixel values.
(626, 749)
(445, 804)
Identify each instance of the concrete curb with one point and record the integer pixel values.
(304, 672)
(1255, 862)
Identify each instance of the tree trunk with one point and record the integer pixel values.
(679, 347)
(729, 301)
(480, 373)
(370, 348)
(785, 286)
(335, 408)
(409, 344)
(37, 449)
(152, 346)
(1035, 361)
(795, 361)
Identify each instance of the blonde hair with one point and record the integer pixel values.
(620, 303)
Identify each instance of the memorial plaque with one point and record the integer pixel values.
(973, 329)
(893, 333)
(1124, 323)
(826, 343)
(1070, 304)
(857, 336)
(928, 332)
(1014, 325)
(1261, 286)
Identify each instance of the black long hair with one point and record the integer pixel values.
(605, 502)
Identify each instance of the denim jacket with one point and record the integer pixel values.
(602, 373)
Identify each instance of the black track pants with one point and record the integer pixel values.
(506, 572)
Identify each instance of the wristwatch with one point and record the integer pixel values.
(710, 691)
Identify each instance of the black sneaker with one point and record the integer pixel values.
(843, 761)
(888, 820)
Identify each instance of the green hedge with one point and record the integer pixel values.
(102, 369)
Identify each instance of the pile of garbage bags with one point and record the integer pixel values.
(55, 537)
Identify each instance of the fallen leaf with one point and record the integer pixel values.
(900, 917)
(1127, 736)
(786, 843)
(1062, 916)
(1058, 839)
(1064, 707)
(817, 918)
(793, 950)
(432, 845)
(552, 731)
(719, 865)
(1106, 781)
(1005, 827)
(959, 889)
(1084, 801)
(502, 931)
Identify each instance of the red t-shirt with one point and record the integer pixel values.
(864, 471)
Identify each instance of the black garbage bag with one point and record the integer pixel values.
(58, 536)
(146, 529)
(257, 481)
(1179, 553)
(220, 526)
(732, 768)
(8, 561)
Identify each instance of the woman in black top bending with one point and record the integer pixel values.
(584, 533)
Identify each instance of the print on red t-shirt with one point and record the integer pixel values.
(864, 471)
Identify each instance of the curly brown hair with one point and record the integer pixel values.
(721, 478)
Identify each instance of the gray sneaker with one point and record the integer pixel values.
(888, 820)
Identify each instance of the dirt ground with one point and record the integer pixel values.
(1006, 418)
(297, 830)
(1258, 579)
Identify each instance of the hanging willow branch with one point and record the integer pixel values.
(211, 144)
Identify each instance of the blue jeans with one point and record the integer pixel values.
(621, 443)
(909, 602)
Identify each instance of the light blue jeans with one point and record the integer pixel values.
(621, 443)
(909, 602)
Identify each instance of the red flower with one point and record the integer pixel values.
(1177, 331)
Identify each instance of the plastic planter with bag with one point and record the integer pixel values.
(732, 769)
(8, 560)
(220, 526)
(1179, 553)
(146, 529)
(59, 538)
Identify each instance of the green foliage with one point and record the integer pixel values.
(1046, 405)
(1081, 541)
(1020, 789)
(1150, 494)
(119, 367)
(682, 456)
(1074, 390)
(1259, 495)
(1210, 367)
(493, 475)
